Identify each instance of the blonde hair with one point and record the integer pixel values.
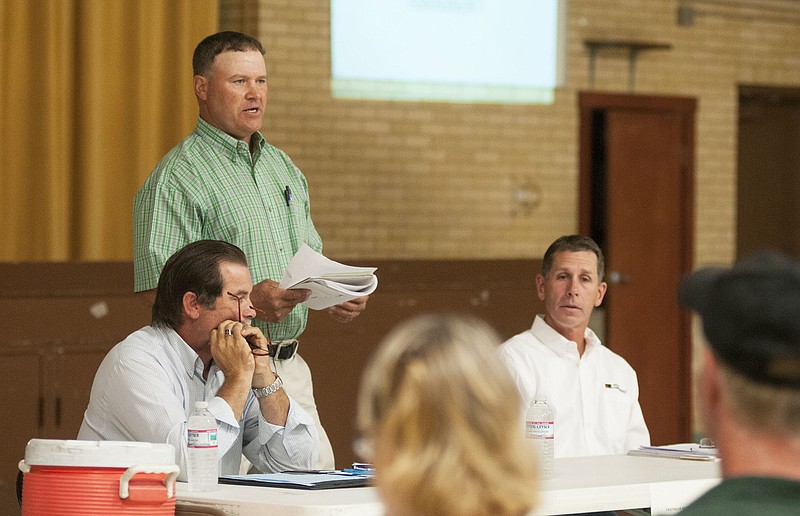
(441, 413)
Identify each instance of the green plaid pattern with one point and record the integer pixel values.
(209, 187)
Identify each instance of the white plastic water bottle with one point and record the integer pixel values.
(540, 431)
(202, 459)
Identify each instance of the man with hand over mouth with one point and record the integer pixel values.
(200, 346)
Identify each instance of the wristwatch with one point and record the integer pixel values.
(272, 388)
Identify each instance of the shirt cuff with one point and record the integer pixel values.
(222, 411)
(296, 417)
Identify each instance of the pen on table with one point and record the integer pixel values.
(287, 194)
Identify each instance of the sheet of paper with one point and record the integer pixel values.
(689, 451)
(331, 283)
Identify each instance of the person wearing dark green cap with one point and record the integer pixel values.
(749, 383)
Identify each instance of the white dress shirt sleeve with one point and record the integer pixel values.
(269, 447)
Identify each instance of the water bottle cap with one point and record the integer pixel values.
(201, 404)
(540, 397)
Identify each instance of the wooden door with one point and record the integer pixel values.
(639, 181)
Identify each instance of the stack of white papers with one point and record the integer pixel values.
(330, 282)
(687, 451)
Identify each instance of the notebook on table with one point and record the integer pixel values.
(300, 479)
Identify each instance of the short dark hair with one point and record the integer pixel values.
(573, 244)
(193, 268)
(215, 44)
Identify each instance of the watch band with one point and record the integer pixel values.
(272, 388)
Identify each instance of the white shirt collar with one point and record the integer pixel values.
(560, 344)
(188, 357)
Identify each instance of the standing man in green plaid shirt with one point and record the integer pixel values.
(225, 182)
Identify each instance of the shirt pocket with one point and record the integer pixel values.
(299, 225)
(615, 415)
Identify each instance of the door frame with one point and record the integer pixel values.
(590, 102)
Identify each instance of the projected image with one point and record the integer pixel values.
(446, 50)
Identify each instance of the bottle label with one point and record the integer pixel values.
(202, 438)
(539, 429)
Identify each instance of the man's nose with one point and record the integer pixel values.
(254, 91)
(248, 312)
(572, 288)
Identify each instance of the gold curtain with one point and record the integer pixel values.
(92, 94)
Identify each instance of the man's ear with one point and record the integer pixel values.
(540, 286)
(191, 306)
(201, 87)
(708, 389)
(601, 292)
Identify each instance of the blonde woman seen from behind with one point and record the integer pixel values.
(439, 418)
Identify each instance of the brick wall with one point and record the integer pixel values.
(437, 180)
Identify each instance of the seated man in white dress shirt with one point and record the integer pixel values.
(593, 391)
(201, 346)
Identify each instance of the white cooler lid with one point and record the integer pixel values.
(104, 454)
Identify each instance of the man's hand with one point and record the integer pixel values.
(231, 351)
(275, 407)
(274, 303)
(349, 310)
(262, 374)
(232, 354)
